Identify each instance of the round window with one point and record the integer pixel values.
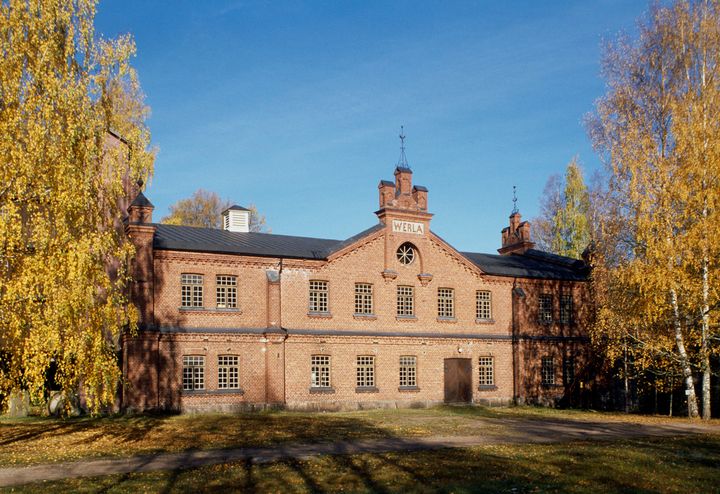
(406, 253)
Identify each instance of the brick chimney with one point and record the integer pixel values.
(516, 237)
(141, 232)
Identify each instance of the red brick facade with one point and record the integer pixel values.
(274, 334)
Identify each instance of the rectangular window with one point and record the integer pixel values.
(545, 309)
(487, 371)
(228, 372)
(566, 309)
(192, 290)
(318, 296)
(483, 304)
(226, 292)
(193, 372)
(320, 371)
(405, 301)
(446, 302)
(365, 371)
(568, 370)
(408, 371)
(548, 370)
(363, 298)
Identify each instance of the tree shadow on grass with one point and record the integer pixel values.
(654, 465)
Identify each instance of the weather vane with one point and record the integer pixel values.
(515, 209)
(402, 162)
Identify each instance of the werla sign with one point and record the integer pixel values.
(400, 226)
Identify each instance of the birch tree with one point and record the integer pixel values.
(563, 226)
(63, 261)
(204, 208)
(658, 132)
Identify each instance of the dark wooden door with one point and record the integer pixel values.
(458, 380)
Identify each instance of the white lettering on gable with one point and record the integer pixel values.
(400, 226)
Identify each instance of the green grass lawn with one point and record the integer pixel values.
(41, 440)
(687, 464)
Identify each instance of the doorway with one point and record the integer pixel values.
(458, 380)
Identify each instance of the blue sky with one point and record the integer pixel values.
(296, 106)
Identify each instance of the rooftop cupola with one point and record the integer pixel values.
(236, 219)
(516, 237)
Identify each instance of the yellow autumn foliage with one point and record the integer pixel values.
(657, 266)
(63, 179)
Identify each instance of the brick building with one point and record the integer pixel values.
(393, 316)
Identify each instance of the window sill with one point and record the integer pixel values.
(212, 392)
(487, 387)
(322, 391)
(409, 389)
(210, 310)
(406, 318)
(367, 389)
(549, 386)
(484, 321)
(446, 319)
(320, 315)
(365, 317)
(545, 323)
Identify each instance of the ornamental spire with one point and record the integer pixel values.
(515, 208)
(402, 162)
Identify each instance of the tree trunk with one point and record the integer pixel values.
(704, 347)
(693, 411)
(625, 378)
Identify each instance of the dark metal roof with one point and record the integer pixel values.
(387, 182)
(141, 201)
(403, 169)
(235, 207)
(531, 264)
(355, 238)
(420, 188)
(172, 237)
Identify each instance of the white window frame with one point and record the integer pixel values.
(228, 372)
(545, 308)
(365, 371)
(318, 296)
(566, 308)
(486, 370)
(320, 371)
(446, 302)
(483, 305)
(363, 299)
(408, 371)
(193, 373)
(405, 301)
(191, 291)
(547, 371)
(226, 291)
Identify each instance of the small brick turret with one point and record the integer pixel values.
(141, 231)
(402, 194)
(516, 237)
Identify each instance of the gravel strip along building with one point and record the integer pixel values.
(391, 317)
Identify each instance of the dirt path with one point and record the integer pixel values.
(516, 431)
